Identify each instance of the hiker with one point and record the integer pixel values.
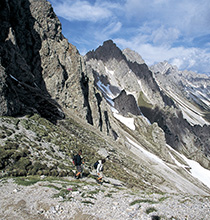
(78, 163)
(99, 170)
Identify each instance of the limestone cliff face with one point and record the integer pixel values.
(23, 89)
(61, 64)
(40, 71)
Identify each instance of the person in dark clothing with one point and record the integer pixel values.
(78, 163)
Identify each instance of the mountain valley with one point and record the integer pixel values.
(153, 123)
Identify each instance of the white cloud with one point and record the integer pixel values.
(160, 35)
(106, 32)
(195, 59)
(190, 17)
(81, 10)
(177, 62)
(157, 29)
(165, 36)
(112, 28)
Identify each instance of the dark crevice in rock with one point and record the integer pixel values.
(85, 90)
(108, 126)
(65, 74)
(115, 135)
(167, 100)
(99, 100)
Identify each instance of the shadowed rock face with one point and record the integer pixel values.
(126, 104)
(106, 52)
(22, 87)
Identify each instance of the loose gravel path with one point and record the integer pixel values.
(71, 199)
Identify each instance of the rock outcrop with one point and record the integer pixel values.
(23, 89)
(126, 104)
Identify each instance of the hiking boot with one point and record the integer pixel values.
(99, 182)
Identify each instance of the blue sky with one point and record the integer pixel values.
(177, 31)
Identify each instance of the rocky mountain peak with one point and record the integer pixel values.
(133, 56)
(107, 51)
(163, 68)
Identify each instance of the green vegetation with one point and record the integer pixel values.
(51, 182)
(32, 145)
(94, 192)
(62, 193)
(27, 181)
(150, 210)
(163, 198)
(143, 101)
(53, 186)
(142, 201)
(109, 195)
(207, 116)
(88, 202)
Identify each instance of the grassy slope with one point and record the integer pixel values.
(34, 146)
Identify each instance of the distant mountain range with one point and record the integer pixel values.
(188, 89)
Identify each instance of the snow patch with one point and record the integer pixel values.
(14, 78)
(188, 111)
(196, 170)
(107, 92)
(105, 89)
(110, 72)
(153, 157)
(129, 122)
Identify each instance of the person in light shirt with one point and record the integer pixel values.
(99, 170)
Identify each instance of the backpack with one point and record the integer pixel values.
(75, 160)
(96, 164)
